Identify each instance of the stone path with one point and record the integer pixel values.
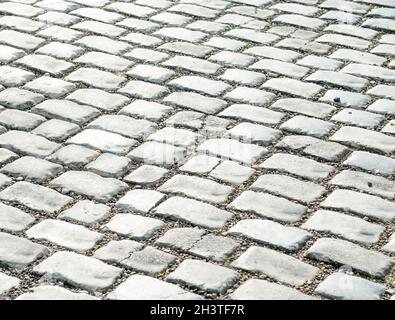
(197, 149)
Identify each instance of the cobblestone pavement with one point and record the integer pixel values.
(216, 149)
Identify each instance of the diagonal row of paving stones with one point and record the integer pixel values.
(197, 149)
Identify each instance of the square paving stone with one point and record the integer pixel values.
(13, 219)
(102, 140)
(86, 212)
(35, 197)
(149, 260)
(347, 287)
(267, 205)
(271, 233)
(109, 165)
(64, 234)
(74, 156)
(18, 252)
(20, 120)
(19, 98)
(197, 187)
(7, 283)
(155, 153)
(117, 251)
(348, 227)
(124, 125)
(98, 98)
(66, 110)
(194, 212)
(233, 150)
(89, 184)
(139, 200)
(57, 130)
(54, 293)
(78, 270)
(27, 143)
(139, 287)
(256, 289)
(146, 109)
(146, 175)
(45, 64)
(133, 226)
(204, 276)
(214, 247)
(36, 170)
(232, 172)
(341, 252)
(51, 87)
(276, 265)
(181, 238)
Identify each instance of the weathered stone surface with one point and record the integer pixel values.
(255, 289)
(7, 283)
(289, 187)
(203, 275)
(35, 197)
(199, 188)
(341, 252)
(116, 251)
(194, 212)
(272, 233)
(13, 219)
(103, 140)
(78, 270)
(89, 184)
(134, 226)
(31, 168)
(140, 200)
(267, 205)
(54, 293)
(139, 287)
(27, 144)
(276, 265)
(64, 234)
(86, 212)
(231, 149)
(348, 227)
(361, 204)
(149, 260)
(18, 252)
(346, 287)
(160, 154)
(143, 134)
(303, 167)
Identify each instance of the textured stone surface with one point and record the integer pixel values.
(139, 287)
(78, 270)
(345, 287)
(19, 252)
(276, 265)
(64, 234)
(346, 253)
(242, 134)
(89, 184)
(203, 275)
(255, 289)
(35, 197)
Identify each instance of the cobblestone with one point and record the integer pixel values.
(78, 270)
(64, 234)
(203, 275)
(139, 287)
(238, 148)
(342, 252)
(279, 266)
(346, 287)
